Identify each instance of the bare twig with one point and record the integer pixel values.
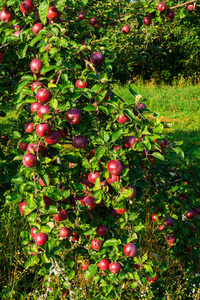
(59, 76)
(183, 4)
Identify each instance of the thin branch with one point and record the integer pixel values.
(59, 76)
(183, 4)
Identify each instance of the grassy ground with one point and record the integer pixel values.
(178, 106)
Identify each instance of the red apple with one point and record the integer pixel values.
(37, 27)
(122, 119)
(27, 7)
(102, 230)
(93, 176)
(64, 232)
(90, 201)
(114, 213)
(152, 280)
(22, 207)
(96, 244)
(126, 29)
(44, 109)
(161, 227)
(170, 15)
(40, 181)
(130, 141)
(35, 84)
(29, 160)
(190, 214)
(104, 99)
(35, 106)
(63, 132)
(93, 21)
(162, 143)
(17, 33)
(112, 178)
(29, 127)
(120, 211)
(114, 267)
(154, 218)
(161, 7)
(43, 129)
(130, 250)
(36, 65)
(81, 85)
(43, 95)
(41, 238)
(33, 148)
(75, 237)
(23, 146)
(73, 116)
(141, 107)
(33, 232)
(114, 167)
(171, 240)
(191, 6)
(168, 222)
(81, 16)
(53, 14)
(47, 200)
(79, 142)
(103, 264)
(6, 16)
(85, 266)
(97, 58)
(53, 138)
(147, 20)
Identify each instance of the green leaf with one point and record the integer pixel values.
(46, 69)
(97, 186)
(71, 274)
(92, 269)
(33, 260)
(90, 231)
(158, 155)
(31, 202)
(133, 216)
(43, 11)
(139, 227)
(179, 151)
(116, 134)
(133, 89)
(84, 3)
(89, 107)
(98, 195)
(54, 103)
(35, 40)
(112, 242)
(129, 113)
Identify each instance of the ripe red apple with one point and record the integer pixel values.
(93, 176)
(1, 57)
(29, 160)
(33, 232)
(27, 7)
(96, 58)
(81, 85)
(40, 181)
(37, 27)
(161, 7)
(93, 21)
(61, 216)
(191, 6)
(43, 95)
(43, 129)
(6, 16)
(36, 65)
(168, 222)
(90, 201)
(120, 211)
(53, 138)
(64, 232)
(112, 178)
(126, 29)
(79, 142)
(73, 116)
(162, 144)
(141, 107)
(147, 20)
(63, 132)
(130, 141)
(171, 240)
(130, 250)
(47, 200)
(17, 33)
(44, 109)
(75, 237)
(41, 238)
(102, 230)
(17, 27)
(190, 214)
(170, 15)
(33, 148)
(114, 213)
(122, 119)
(114, 267)
(29, 127)
(154, 218)
(23, 146)
(22, 207)
(85, 266)
(152, 280)
(53, 14)
(96, 244)
(35, 84)
(114, 167)
(81, 16)
(161, 227)
(35, 106)
(104, 99)
(103, 264)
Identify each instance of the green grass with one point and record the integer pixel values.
(178, 106)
